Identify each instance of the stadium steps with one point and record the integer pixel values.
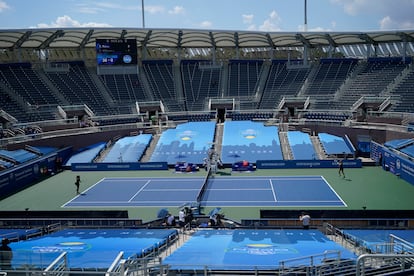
(52, 87)
(151, 147)
(107, 149)
(183, 237)
(284, 143)
(218, 138)
(317, 145)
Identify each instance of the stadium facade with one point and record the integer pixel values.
(71, 88)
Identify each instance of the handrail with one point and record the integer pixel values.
(405, 245)
(115, 264)
(62, 259)
(361, 260)
(311, 258)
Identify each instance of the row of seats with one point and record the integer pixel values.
(326, 116)
(78, 86)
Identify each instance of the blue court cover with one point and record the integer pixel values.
(87, 248)
(251, 249)
(376, 239)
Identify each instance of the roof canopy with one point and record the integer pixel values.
(188, 38)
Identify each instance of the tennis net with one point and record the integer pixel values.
(204, 187)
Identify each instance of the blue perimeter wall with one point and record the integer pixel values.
(393, 162)
(298, 164)
(15, 179)
(119, 166)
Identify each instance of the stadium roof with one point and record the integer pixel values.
(188, 38)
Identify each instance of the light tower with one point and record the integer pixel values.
(305, 26)
(143, 14)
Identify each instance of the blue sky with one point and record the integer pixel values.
(254, 15)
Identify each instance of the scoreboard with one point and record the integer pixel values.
(116, 51)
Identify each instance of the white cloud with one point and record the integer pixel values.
(353, 7)
(98, 7)
(154, 9)
(314, 29)
(89, 10)
(387, 23)
(3, 6)
(112, 6)
(66, 21)
(247, 18)
(177, 10)
(251, 27)
(391, 14)
(206, 24)
(272, 23)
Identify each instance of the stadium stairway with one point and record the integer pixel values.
(148, 152)
(286, 149)
(106, 150)
(218, 138)
(183, 237)
(318, 147)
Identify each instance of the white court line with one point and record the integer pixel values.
(333, 190)
(169, 190)
(158, 179)
(273, 190)
(123, 202)
(240, 189)
(229, 201)
(84, 192)
(140, 190)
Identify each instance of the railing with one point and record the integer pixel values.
(59, 265)
(116, 265)
(357, 103)
(400, 245)
(374, 264)
(311, 260)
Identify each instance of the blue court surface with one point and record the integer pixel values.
(253, 249)
(277, 191)
(280, 191)
(373, 239)
(18, 234)
(87, 248)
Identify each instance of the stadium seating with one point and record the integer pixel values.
(18, 156)
(199, 84)
(403, 92)
(328, 75)
(282, 81)
(86, 155)
(128, 149)
(189, 142)
(251, 141)
(334, 145)
(243, 77)
(161, 77)
(371, 77)
(78, 87)
(124, 88)
(301, 145)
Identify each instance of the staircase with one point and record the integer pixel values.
(218, 138)
(317, 145)
(284, 143)
(147, 155)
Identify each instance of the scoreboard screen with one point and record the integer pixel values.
(116, 51)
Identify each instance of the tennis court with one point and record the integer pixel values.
(278, 191)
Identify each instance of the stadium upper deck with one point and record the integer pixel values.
(278, 65)
(79, 43)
